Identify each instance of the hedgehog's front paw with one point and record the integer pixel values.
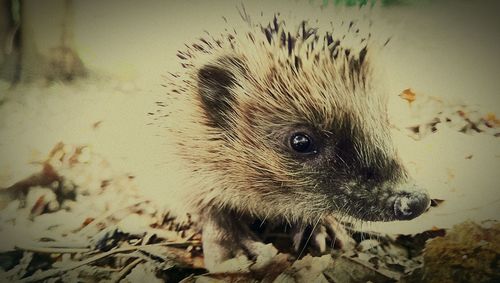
(231, 247)
(329, 232)
(224, 258)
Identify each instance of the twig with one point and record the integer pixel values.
(56, 244)
(127, 269)
(55, 272)
(191, 236)
(54, 250)
(102, 218)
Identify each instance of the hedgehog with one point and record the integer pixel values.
(281, 125)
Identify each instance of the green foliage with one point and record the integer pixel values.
(16, 11)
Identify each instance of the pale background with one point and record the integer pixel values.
(447, 49)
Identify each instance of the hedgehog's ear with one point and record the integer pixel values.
(215, 81)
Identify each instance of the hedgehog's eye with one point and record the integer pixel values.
(302, 143)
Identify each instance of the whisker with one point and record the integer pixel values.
(310, 235)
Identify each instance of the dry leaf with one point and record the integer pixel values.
(492, 120)
(408, 95)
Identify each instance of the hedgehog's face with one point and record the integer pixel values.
(316, 147)
(351, 173)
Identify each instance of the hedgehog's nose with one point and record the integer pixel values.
(411, 205)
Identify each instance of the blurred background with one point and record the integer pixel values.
(88, 72)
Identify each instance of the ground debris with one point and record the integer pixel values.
(89, 225)
(77, 220)
(93, 226)
(429, 114)
(469, 252)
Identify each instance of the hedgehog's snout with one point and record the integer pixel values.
(411, 204)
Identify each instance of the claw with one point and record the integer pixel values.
(338, 234)
(298, 235)
(320, 238)
(329, 230)
(230, 244)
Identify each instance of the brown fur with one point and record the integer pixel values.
(231, 113)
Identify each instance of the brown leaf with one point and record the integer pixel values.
(96, 124)
(408, 95)
(39, 206)
(492, 120)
